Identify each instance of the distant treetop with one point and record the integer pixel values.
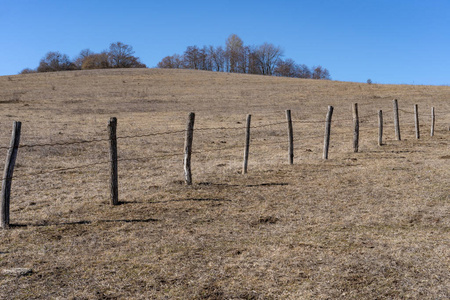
(235, 57)
(119, 55)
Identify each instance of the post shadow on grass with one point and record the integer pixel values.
(83, 222)
(246, 185)
(193, 199)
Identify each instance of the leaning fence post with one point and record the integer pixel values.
(247, 144)
(8, 175)
(355, 127)
(188, 148)
(326, 143)
(290, 136)
(380, 127)
(416, 121)
(114, 181)
(433, 121)
(396, 121)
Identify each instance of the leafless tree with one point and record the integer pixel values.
(55, 61)
(122, 56)
(264, 59)
(217, 58)
(286, 68)
(166, 63)
(235, 53)
(303, 71)
(207, 59)
(267, 56)
(244, 60)
(192, 58)
(320, 72)
(28, 71)
(171, 62)
(252, 61)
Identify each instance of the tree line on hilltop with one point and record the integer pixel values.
(119, 55)
(235, 57)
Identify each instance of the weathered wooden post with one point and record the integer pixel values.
(290, 136)
(247, 144)
(396, 121)
(355, 127)
(433, 121)
(326, 143)
(188, 148)
(380, 127)
(114, 178)
(416, 121)
(8, 175)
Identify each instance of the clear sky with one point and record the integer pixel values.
(388, 41)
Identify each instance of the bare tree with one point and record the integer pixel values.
(28, 71)
(166, 63)
(207, 59)
(235, 53)
(286, 68)
(171, 62)
(192, 57)
(252, 61)
(320, 72)
(264, 59)
(204, 59)
(122, 56)
(267, 56)
(244, 59)
(303, 71)
(217, 58)
(55, 61)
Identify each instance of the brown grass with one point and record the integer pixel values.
(368, 225)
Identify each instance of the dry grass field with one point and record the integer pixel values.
(367, 225)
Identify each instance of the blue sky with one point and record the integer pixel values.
(388, 41)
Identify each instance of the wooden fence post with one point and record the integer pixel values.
(290, 136)
(396, 121)
(380, 127)
(433, 121)
(114, 178)
(247, 144)
(188, 148)
(416, 121)
(326, 143)
(355, 127)
(8, 175)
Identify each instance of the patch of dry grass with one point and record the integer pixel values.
(366, 225)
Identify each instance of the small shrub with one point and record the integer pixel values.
(27, 71)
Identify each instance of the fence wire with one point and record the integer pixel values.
(89, 141)
(362, 119)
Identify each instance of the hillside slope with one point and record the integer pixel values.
(135, 90)
(367, 225)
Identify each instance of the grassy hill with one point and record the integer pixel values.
(373, 224)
